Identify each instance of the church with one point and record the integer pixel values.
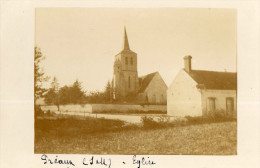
(128, 86)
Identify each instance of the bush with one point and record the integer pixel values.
(164, 119)
(219, 116)
(49, 113)
(216, 116)
(179, 122)
(196, 120)
(148, 123)
(38, 111)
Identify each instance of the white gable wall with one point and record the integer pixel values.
(183, 97)
(156, 90)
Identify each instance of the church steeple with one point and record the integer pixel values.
(126, 44)
(125, 79)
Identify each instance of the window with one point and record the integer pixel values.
(212, 104)
(126, 60)
(229, 105)
(131, 60)
(129, 82)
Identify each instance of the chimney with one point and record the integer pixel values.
(187, 63)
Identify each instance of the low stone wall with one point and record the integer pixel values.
(51, 108)
(69, 108)
(91, 108)
(127, 108)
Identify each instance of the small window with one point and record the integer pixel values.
(131, 60)
(126, 60)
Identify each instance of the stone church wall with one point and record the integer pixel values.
(157, 90)
(91, 108)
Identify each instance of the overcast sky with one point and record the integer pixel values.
(80, 43)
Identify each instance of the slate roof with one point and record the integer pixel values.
(126, 48)
(215, 80)
(145, 80)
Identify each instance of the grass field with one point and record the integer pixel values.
(100, 136)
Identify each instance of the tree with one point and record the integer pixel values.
(52, 96)
(71, 94)
(64, 95)
(108, 92)
(55, 84)
(96, 97)
(39, 75)
(76, 93)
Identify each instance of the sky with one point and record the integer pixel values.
(80, 43)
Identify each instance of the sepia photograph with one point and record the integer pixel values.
(135, 81)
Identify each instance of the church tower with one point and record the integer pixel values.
(125, 78)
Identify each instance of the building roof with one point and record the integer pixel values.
(145, 80)
(126, 44)
(215, 80)
(126, 48)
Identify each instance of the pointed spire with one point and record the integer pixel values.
(126, 44)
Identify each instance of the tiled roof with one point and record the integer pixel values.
(215, 80)
(145, 80)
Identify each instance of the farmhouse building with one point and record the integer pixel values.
(202, 93)
(149, 89)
